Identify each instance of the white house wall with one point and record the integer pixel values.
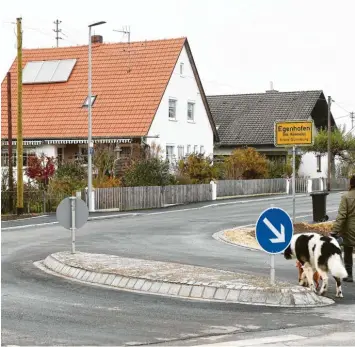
(181, 132)
(308, 167)
(48, 150)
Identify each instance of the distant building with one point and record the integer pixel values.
(142, 92)
(248, 120)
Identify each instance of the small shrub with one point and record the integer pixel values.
(197, 168)
(246, 163)
(106, 182)
(151, 171)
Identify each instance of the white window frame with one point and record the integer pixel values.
(170, 157)
(62, 148)
(319, 163)
(180, 152)
(84, 148)
(188, 150)
(192, 119)
(5, 157)
(175, 109)
(26, 153)
(182, 69)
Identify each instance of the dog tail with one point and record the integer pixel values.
(336, 266)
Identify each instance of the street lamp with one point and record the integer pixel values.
(90, 143)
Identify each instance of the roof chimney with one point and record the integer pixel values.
(272, 90)
(97, 39)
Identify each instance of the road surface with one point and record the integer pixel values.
(40, 309)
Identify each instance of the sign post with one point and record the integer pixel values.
(72, 203)
(291, 134)
(294, 184)
(72, 213)
(273, 232)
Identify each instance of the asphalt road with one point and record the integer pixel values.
(40, 309)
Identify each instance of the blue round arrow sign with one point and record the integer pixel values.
(274, 230)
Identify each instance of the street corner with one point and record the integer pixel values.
(178, 280)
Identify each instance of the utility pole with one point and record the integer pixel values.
(9, 138)
(19, 120)
(329, 143)
(352, 117)
(57, 31)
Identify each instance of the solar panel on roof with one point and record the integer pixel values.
(49, 71)
(46, 72)
(30, 71)
(63, 70)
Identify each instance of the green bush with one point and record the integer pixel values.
(151, 171)
(198, 169)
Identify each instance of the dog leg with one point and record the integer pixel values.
(303, 280)
(324, 287)
(339, 292)
(308, 271)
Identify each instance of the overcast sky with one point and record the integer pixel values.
(239, 46)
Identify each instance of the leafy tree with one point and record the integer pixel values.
(282, 169)
(147, 168)
(70, 177)
(341, 143)
(148, 172)
(198, 168)
(71, 170)
(246, 163)
(40, 169)
(104, 160)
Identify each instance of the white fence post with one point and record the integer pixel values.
(309, 188)
(321, 184)
(287, 186)
(93, 200)
(214, 190)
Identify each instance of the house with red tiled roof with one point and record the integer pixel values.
(142, 92)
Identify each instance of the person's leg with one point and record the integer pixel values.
(348, 262)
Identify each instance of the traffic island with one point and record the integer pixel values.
(178, 280)
(245, 236)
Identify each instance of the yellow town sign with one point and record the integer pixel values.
(293, 133)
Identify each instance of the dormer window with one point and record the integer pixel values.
(93, 98)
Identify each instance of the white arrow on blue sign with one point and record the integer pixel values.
(274, 230)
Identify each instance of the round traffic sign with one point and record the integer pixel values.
(64, 213)
(274, 230)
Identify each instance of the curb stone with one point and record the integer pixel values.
(213, 291)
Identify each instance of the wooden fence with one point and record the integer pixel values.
(337, 183)
(134, 198)
(182, 194)
(250, 187)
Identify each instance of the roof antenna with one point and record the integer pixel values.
(271, 85)
(127, 30)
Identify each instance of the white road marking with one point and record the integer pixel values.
(164, 212)
(256, 342)
(42, 215)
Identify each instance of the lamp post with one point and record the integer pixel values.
(90, 143)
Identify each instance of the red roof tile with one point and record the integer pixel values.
(126, 100)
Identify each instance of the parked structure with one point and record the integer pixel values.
(142, 92)
(248, 120)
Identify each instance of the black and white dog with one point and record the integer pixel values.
(318, 253)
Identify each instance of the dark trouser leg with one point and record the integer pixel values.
(348, 262)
